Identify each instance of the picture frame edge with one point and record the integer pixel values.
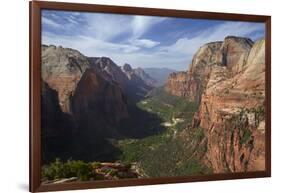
(35, 8)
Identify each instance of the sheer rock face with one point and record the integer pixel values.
(254, 70)
(109, 70)
(232, 113)
(191, 84)
(62, 69)
(231, 53)
(82, 89)
(134, 82)
(234, 52)
(145, 77)
(56, 126)
(91, 92)
(52, 122)
(227, 79)
(98, 104)
(137, 86)
(184, 84)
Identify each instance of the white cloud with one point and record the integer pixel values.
(49, 22)
(146, 43)
(89, 46)
(120, 53)
(96, 39)
(140, 24)
(217, 33)
(72, 20)
(106, 26)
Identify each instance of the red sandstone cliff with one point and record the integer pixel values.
(227, 79)
(91, 92)
(232, 114)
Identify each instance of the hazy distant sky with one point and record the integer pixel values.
(142, 41)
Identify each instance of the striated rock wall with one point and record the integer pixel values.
(185, 84)
(191, 84)
(231, 53)
(62, 69)
(234, 53)
(80, 105)
(83, 101)
(227, 79)
(232, 113)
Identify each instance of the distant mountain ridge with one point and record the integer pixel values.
(145, 77)
(160, 75)
(134, 82)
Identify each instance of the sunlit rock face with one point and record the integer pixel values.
(227, 79)
(87, 95)
(191, 84)
(85, 87)
(62, 69)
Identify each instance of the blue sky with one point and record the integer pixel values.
(142, 41)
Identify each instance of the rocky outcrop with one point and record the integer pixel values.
(145, 77)
(192, 83)
(54, 121)
(231, 53)
(232, 108)
(234, 53)
(62, 69)
(227, 79)
(51, 109)
(87, 91)
(83, 101)
(56, 126)
(114, 171)
(137, 87)
(98, 104)
(79, 105)
(91, 87)
(105, 171)
(185, 84)
(134, 82)
(109, 70)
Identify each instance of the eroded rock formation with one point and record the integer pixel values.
(192, 83)
(227, 79)
(98, 104)
(232, 112)
(83, 101)
(137, 85)
(62, 69)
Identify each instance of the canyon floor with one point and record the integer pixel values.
(168, 148)
(166, 153)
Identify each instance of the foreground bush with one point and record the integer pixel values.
(71, 168)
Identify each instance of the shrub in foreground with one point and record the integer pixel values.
(71, 168)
